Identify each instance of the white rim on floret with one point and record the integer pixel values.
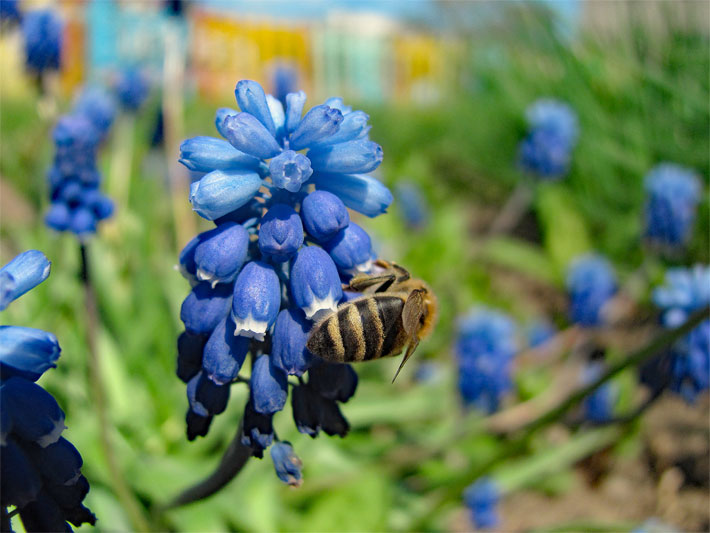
(321, 307)
(52, 436)
(249, 327)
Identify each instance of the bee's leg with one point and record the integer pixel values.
(410, 350)
(412, 316)
(361, 282)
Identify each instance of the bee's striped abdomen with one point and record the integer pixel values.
(364, 329)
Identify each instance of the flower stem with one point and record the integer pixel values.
(229, 466)
(513, 210)
(123, 492)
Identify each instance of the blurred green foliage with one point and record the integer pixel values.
(641, 99)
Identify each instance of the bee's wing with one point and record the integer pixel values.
(412, 313)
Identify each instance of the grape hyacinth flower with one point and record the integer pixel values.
(77, 204)
(687, 290)
(132, 88)
(42, 33)
(41, 470)
(485, 347)
(10, 12)
(591, 283)
(546, 151)
(673, 193)
(481, 498)
(277, 188)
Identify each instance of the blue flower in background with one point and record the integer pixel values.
(284, 81)
(132, 88)
(10, 11)
(687, 290)
(42, 32)
(591, 283)
(412, 205)
(77, 204)
(481, 498)
(546, 151)
(41, 470)
(673, 193)
(485, 347)
(277, 188)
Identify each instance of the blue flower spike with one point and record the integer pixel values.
(687, 290)
(673, 194)
(546, 151)
(591, 283)
(41, 470)
(42, 32)
(485, 348)
(277, 186)
(481, 498)
(22, 274)
(287, 464)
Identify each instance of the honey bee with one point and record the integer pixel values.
(395, 312)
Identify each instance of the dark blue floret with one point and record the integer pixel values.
(224, 353)
(281, 233)
(205, 306)
(324, 215)
(288, 344)
(351, 250)
(269, 389)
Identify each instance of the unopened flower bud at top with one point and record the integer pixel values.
(351, 250)
(290, 170)
(269, 386)
(221, 253)
(252, 99)
(360, 192)
(257, 298)
(23, 273)
(223, 191)
(205, 154)
(294, 110)
(315, 284)
(288, 342)
(354, 126)
(248, 135)
(319, 123)
(220, 115)
(281, 233)
(324, 215)
(352, 157)
(287, 464)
